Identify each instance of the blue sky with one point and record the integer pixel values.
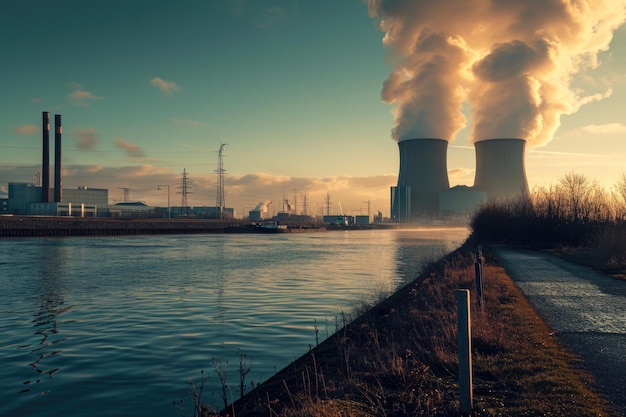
(147, 89)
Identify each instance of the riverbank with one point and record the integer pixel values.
(30, 226)
(399, 357)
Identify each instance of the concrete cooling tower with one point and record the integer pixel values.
(500, 170)
(423, 175)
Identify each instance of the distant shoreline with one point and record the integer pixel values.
(35, 226)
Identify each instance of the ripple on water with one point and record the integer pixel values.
(127, 321)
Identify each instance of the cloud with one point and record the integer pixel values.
(460, 173)
(243, 192)
(186, 122)
(512, 62)
(352, 192)
(26, 130)
(87, 138)
(36, 100)
(133, 152)
(168, 87)
(81, 97)
(605, 129)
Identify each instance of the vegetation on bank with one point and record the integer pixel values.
(399, 357)
(575, 218)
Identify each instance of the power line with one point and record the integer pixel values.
(220, 200)
(185, 186)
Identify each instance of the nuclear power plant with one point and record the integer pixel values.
(423, 191)
(500, 170)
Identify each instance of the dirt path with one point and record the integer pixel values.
(586, 309)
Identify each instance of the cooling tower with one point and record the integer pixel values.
(45, 157)
(423, 168)
(57, 157)
(500, 170)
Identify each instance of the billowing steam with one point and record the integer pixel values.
(262, 206)
(512, 61)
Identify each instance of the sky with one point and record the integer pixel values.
(303, 93)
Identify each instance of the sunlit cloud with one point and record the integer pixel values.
(26, 130)
(243, 192)
(81, 97)
(540, 153)
(186, 122)
(133, 152)
(86, 138)
(605, 129)
(460, 172)
(167, 87)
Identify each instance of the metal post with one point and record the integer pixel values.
(478, 266)
(465, 351)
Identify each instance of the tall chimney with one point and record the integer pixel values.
(500, 169)
(45, 161)
(57, 157)
(423, 168)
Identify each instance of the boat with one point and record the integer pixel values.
(271, 227)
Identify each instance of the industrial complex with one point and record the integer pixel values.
(423, 193)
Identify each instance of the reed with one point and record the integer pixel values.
(399, 358)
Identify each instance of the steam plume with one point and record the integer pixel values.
(512, 61)
(262, 206)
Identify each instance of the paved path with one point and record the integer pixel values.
(586, 309)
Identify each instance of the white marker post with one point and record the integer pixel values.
(465, 351)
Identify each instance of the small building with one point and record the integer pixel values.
(362, 220)
(339, 220)
(21, 196)
(131, 209)
(25, 199)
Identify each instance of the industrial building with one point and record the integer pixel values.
(32, 199)
(423, 192)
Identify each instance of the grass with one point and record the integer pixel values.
(399, 358)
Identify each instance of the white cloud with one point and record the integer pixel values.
(168, 87)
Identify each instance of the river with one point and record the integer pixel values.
(109, 326)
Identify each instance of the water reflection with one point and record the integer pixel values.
(415, 248)
(52, 258)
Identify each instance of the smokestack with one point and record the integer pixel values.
(45, 162)
(57, 157)
(423, 168)
(500, 169)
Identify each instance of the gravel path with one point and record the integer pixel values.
(586, 309)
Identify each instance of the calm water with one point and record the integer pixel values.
(117, 326)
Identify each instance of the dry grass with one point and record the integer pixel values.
(399, 358)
